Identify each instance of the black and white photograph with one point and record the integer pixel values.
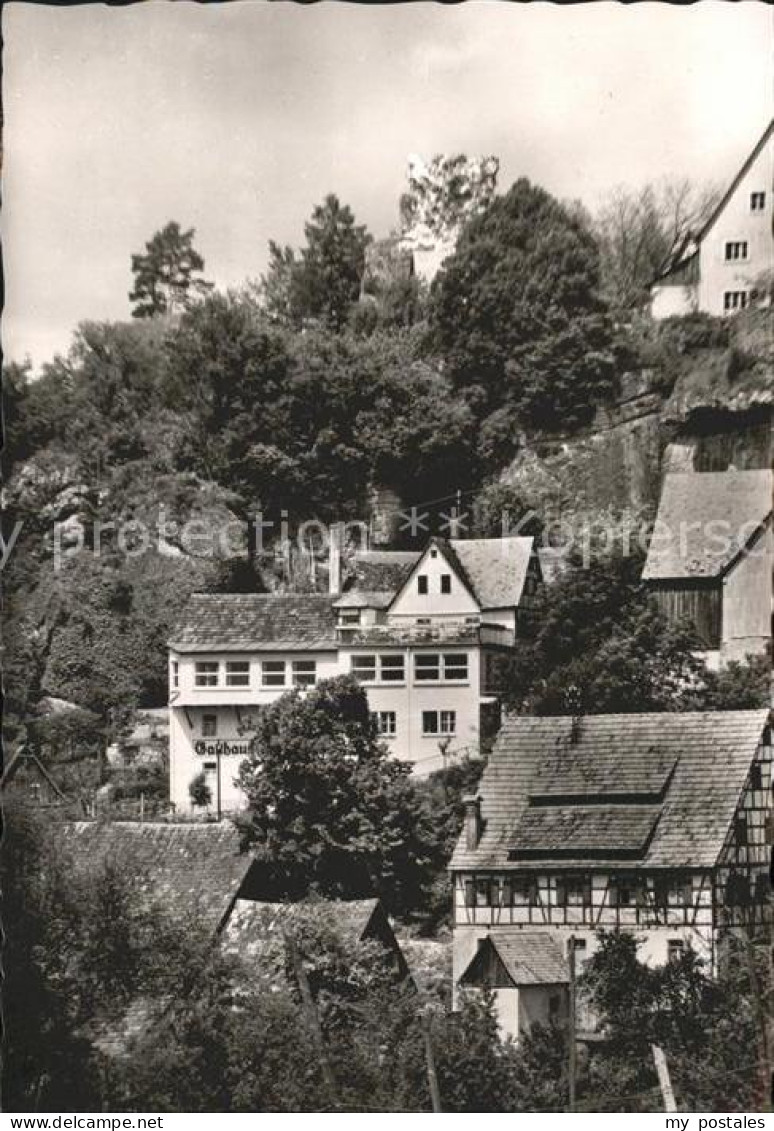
(387, 561)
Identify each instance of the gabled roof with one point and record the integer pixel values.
(690, 244)
(27, 760)
(746, 166)
(188, 868)
(712, 753)
(530, 958)
(255, 622)
(381, 571)
(252, 922)
(255, 931)
(495, 568)
(705, 521)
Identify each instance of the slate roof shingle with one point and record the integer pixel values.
(495, 568)
(254, 622)
(713, 753)
(705, 520)
(531, 958)
(582, 830)
(188, 868)
(382, 571)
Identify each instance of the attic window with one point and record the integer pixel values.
(736, 249)
(433, 553)
(757, 201)
(446, 583)
(422, 583)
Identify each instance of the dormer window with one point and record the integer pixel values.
(422, 587)
(757, 201)
(446, 583)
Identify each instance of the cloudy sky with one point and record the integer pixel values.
(237, 118)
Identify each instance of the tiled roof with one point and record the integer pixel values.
(363, 599)
(713, 753)
(187, 868)
(705, 520)
(531, 958)
(254, 622)
(382, 571)
(583, 830)
(615, 775)
(253, 927)
(495, 568)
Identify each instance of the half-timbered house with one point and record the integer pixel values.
(649, 823)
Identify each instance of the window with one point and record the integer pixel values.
(756, 777)
(364, 668)
(392, 669)
(734, 300)
(737, 249)
(433, 553)
(422, 583)
(675, 949)
(523, 891)
(455, 665)
(424, 620)
(175, 673)
(238, 673)
(483, 893)
(740, 829)
(209, 726)
(446, 583)
(623, 893)
(757, 201)
(470, 893)
(206, 673)
(304, 673)
(573, 892)
(349, 620)
(439, 722)
(273, 673)
(386, 723)
(427, 667)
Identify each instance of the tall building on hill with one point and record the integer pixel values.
(724, 267)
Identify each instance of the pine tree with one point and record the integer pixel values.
(165, 276)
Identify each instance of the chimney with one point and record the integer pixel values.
(472, 822)
(334, 559)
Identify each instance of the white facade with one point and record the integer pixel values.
(424, 657)
(427, 699)
(735, 248)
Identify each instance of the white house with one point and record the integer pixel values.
(420, 631)
(721, 269)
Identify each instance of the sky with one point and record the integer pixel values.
(236, 119)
